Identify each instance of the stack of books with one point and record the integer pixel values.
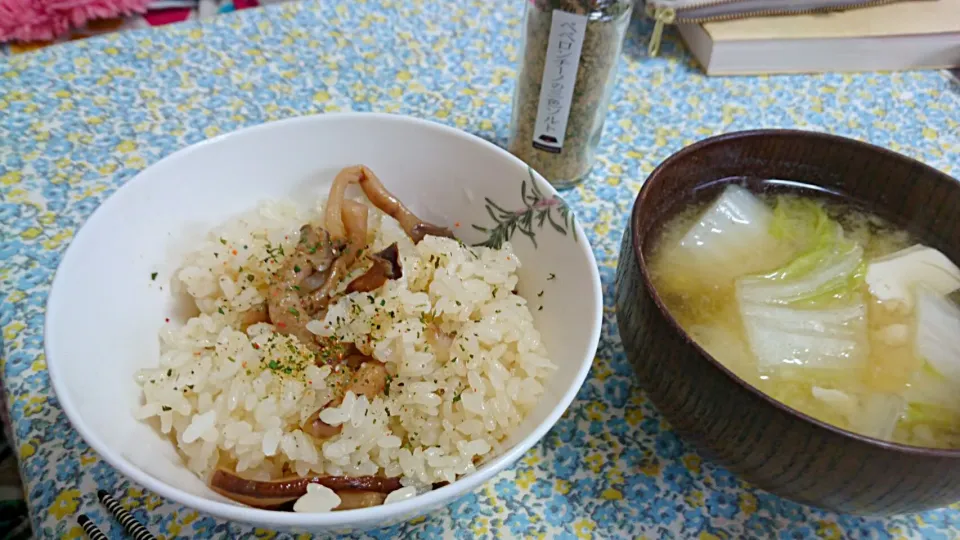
(889, 37)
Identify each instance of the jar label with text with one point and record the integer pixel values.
(559, 79)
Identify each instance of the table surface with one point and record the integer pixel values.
(78, 120)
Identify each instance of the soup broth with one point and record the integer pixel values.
(821, 305)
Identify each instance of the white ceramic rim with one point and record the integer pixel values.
(434, 498)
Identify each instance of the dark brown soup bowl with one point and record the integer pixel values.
(767, 443)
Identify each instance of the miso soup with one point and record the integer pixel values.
(824, 307)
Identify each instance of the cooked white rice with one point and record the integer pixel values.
(237, 399)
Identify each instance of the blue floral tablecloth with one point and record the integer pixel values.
(78, 120)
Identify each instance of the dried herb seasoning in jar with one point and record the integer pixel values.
(569, 63)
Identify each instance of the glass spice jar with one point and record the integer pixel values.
(569, 62)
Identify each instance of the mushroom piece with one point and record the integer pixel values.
(354, 219)
(317, 428)
(351, 499)
(369, 380)
(256, 314)
(357, 359)
(333, 219)
(276, 493)
(422, 229)
(313, 282)
(374, 189)
(287, 308)
(386, 266)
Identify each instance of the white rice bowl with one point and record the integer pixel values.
(235, 398)
(107, 306)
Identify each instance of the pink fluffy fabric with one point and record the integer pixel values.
(40, 20)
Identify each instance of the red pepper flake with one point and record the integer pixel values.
(234, 252)
(256, 346)
(244, 364)
(167, 319)
(281, 324)
(457, 224)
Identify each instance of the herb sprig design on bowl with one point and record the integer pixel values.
(538, 211)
